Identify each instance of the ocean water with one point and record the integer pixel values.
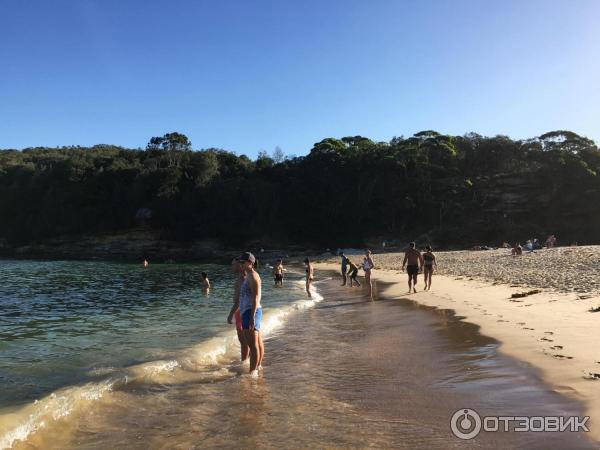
(102, 355)
(73, 332)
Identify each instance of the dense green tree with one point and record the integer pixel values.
(453, 189)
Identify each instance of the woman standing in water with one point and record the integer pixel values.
(368, 265)
(429, 263)
(236, 268)
(310, 272)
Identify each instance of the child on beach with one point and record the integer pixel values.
(278, 273)
(353, 271)
(517, 250)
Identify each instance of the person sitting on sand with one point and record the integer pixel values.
(353, 272)
(278, 273)
(236, 268)
(429, 263)
(414, 260)
(344, 268)
(517, 250)
(310, 272)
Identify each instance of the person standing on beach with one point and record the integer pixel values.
(429, 263)
(344, 268)
(251, 310)
(236, 268)
(368, 265)
(278, 273)
(414, 260)
(310, 272)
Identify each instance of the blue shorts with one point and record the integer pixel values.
(246, 319)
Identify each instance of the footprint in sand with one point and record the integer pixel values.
(521, 323)
(562, 357)
(548, 332)
(527, 328)
(591, 376)
(501, 320)
(547, 339)
(556, 347)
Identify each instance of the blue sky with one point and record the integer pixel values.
(251, 75)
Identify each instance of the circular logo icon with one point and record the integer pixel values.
(465, 424)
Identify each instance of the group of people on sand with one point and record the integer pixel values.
(414, 262)
(350, 270)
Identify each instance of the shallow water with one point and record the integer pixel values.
(341, 373)
(71, 332)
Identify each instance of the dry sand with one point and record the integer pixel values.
(552, 330)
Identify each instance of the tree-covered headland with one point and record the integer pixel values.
(455, 190)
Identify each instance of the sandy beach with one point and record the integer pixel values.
(552, 330)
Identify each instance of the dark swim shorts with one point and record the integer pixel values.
(412, 269)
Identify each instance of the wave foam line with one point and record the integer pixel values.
(194, 364)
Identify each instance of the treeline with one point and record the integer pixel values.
(448, 189)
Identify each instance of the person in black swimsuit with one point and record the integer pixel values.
(414, 260)
(429, 263)
(353, 271)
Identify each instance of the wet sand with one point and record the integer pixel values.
(537, 305)
(348, 373)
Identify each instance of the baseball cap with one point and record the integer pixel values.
(247, 256)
